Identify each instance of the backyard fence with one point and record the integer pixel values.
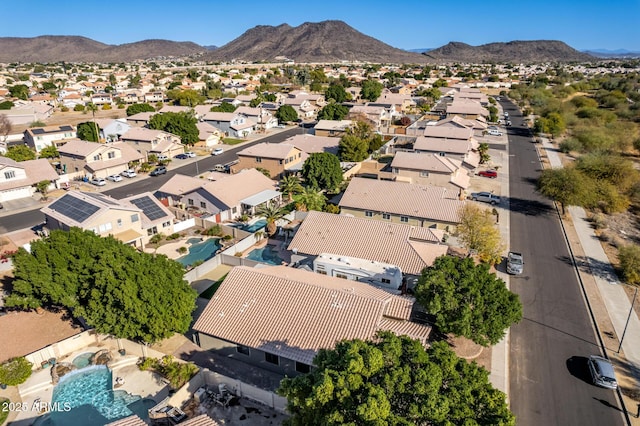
(63, 347)
(185, 224)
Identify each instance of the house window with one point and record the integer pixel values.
(258, 159)
(385, 281)
(166, 224)
(152, 231)
(190, 201)
(96, 158)
(321, 272)
(386, 216)
(442, 154)
(119, 223)
(424, 174)
(244, 350)
(105, 227)
(404, 219)
(203, 205)
(280, 161)
(341, 275)
(111, 154)
(271, 358)
(302, 368)
(368, 213)
(134, 218)
(234, 210)
(10, 174)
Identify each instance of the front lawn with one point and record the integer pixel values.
(232, 141)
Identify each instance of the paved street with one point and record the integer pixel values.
(549, 380)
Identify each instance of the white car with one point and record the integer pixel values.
(217, 151)
(493, 132)
(114, 178)
(190, 154)
(129, 173)
(98, 182)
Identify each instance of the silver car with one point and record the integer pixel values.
(515, 263)
(602, 372)
(485, 197)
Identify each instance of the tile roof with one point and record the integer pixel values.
(408, 247)
(420, 201)
(180, 184)
(35, 171)
(274, 309)
(422, 161)
(72, 199)
(333, 124)
(465, 106)
(310, 143)
(218, 116)
(278, 151)
(201, 420)
(455, 146)
(446, 132)
(233, 189)
(128, 421)
(144, 134)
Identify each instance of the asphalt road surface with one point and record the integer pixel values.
(126, 187)
(549, 378)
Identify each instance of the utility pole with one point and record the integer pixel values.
(627, 323)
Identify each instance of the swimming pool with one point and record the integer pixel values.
(194, 240)
(83, 360)
(266, 254)
(200, 251)
(256, 226)
(85, 397)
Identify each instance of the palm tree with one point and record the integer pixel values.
(272, 213)
(93, 108)
(290, 185)
(310, 199)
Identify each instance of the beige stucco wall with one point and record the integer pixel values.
(413, 221)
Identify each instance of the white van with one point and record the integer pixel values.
(494, 132)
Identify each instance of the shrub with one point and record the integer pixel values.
(599, 221)
(78, 107)
(182, 250)
(156, 238)
(148, 364)
(106, 107)
(197, 263)
(629, 256)
(173, 236)
(227, 237)
(178, 373)
(64, 109)
(215, 230)
(570, 145)
(15, 371)
(238, 254)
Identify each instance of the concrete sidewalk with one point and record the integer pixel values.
(611, 295)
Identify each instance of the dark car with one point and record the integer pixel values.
(158, 171)
(181, 156)
(488, 173)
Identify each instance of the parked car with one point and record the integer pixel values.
(485, 197)
(602, 372)
(493, 132)
(129, 173)
(98, 182)
(190, 154)
(114, 178)
(506, 114)
(162, 158)
(160, 170)
(217, 151)
(515, 263)
(508, 123)
(488, 173)
(181, 156)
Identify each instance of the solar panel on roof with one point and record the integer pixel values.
(149, 208)
(105, 199)
(66, 128)
(37, 131)
(74, 208)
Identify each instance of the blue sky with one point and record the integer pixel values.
(612, 24)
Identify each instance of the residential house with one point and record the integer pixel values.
(458, 149)
(479, 126)
(407, 247)
(251, 320)
(140, 119)
(101, 98)
(278, 158)
(208, 134)
(98, 213)
(224, 199)
(430, 169)
(82, 158)
(41, 137)
(232, 124)
(148, 141)
(156, 218)
(301, 105)
(18, 179)
(111, 129)
(466, 109)
(264, 118)
(334, 128)
(378, 116)
(399, 202)
(153, 97)
(309, 143)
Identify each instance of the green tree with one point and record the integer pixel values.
(49, 151)
(568, 186)
(43, 188)
(371, 90)
(290, 185)
(321, 170)
(138, 108)
(337, 93)
(333, 111)
(19, 91)
(189, 98)
(467, 300)
(15, 371)
(20, 153)
(477, 232)
(629, 256)
(286, 113)
(272, 213)
(223, 107)
(353, 148)
(483, 150)
(310, 199)
(87, 131)
(6, 105)
(116, 288)
(440, 83)
(394, 380)
(182, 124)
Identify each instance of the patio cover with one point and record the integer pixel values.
(261, 197)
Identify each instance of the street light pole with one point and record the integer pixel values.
(628, 318)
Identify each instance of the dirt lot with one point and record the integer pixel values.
(74, 117)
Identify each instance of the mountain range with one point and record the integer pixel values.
(327, 41)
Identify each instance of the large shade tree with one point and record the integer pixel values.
(321, 170)
(182, 124)
(138, 108)
(117, 289)
(468, 300)
(394, 381)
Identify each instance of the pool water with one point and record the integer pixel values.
(256, 226)
(201, 251)
(266, 254)
(194, 240)
(91, 401)
(82, 360)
